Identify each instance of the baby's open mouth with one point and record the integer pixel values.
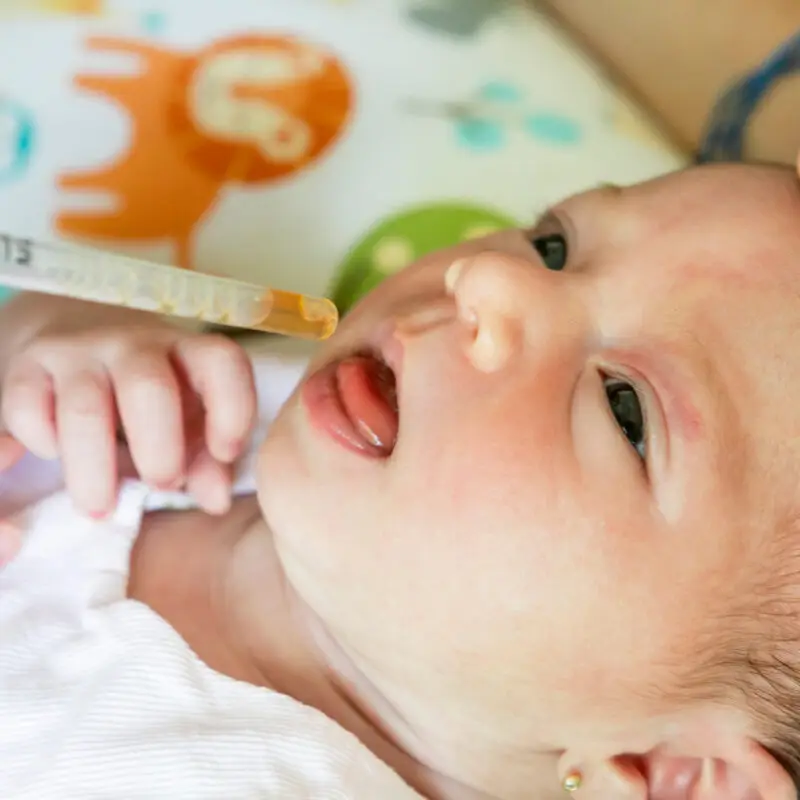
(354, 399)
(368, 393)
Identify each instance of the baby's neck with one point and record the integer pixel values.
(179, 567)
(218, 581)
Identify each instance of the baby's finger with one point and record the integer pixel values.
(86, 425)
(149, 404)
(27, 408)
(11, 451)
(209, 482)
(10, 542)
(219, 371)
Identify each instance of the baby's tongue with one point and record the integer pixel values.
(368, 394)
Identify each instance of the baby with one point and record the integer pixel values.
(528, 522)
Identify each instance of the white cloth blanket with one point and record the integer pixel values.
(101, 698)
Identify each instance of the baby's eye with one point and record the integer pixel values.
(553, 250)
(627, 410)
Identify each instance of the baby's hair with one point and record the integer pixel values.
(769, 688)
(752, 652)
(789, 758)
(765, 666)
(774, 666)
(780, 687)
(774, 679)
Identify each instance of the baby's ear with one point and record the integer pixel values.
(742, 770)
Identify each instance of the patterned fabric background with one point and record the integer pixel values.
(316, 145)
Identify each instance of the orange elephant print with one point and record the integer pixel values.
(246, 110)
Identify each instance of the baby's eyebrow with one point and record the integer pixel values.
(610, 189)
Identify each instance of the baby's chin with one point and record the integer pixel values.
(277, 465)
(290, 482)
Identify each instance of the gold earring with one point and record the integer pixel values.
(572, 782)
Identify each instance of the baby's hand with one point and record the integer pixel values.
(182, 404)
(10, 452)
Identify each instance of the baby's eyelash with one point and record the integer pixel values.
(540, 215)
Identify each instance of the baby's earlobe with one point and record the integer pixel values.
(622, 778)
(573, 781)
(619, 778)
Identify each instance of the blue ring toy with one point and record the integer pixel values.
(726, 129)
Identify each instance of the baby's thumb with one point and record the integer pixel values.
(11, 451)
(10, 542)
(209, 482)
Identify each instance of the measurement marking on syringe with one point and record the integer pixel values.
(113, 279)
(16, 251)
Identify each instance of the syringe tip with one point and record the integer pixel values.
(294, 314)
(321, 311)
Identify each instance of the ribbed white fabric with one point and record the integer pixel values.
(101, 699)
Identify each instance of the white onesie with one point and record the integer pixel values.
(101, 699)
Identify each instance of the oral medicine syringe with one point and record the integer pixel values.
(101, 277)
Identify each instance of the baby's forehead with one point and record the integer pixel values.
(722, 234)
(735, 212)
(733, 223)
(733, 185)
(699, 241)
(736, 229)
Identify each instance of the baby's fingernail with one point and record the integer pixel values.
(97, 514)
(169, 486)
(233, 450)
(226, 452)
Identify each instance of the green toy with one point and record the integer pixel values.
(398, 241)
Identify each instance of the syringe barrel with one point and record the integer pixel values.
(114, 279)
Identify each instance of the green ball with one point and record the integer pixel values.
(398, 241)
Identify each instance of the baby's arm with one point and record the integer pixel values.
(678, 57)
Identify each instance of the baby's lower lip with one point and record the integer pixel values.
(332, 414)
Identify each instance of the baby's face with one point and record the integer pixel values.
(560, 530)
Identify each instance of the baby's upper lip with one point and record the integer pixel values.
(388, 341)
(390, 350)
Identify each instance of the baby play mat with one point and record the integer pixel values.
(317, 145)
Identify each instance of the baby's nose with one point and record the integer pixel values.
(491, 294)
